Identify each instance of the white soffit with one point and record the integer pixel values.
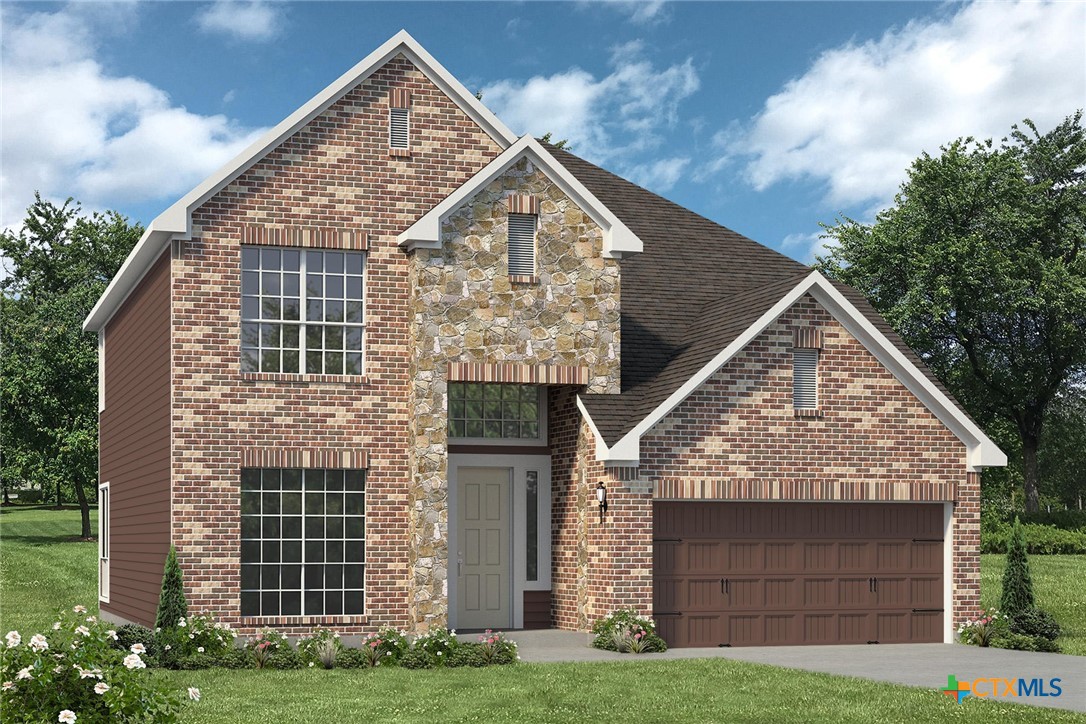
(175, 222)
(618, 240)
(981, 451)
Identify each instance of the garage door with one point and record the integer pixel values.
(764, 574)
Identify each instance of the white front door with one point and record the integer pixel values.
(484, 575)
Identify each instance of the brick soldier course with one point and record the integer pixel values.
(613, 334)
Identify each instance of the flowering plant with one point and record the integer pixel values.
(497, 649)
(436, 645)
(387, 647)
(74, 674)
(194, 635)
(321, 647)
(627, 632)
(983, 628)
(266, 643)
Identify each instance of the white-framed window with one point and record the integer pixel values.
(302, 310)
(303, 541)
(103, 542)
(522, 244)
(805, 378)
(399, 127)
(491, 413)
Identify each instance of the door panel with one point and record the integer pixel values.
(484, 578)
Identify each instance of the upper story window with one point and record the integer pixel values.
(496, 412)
(523, 222)
(302, 310)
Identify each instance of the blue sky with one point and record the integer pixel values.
(765, 117)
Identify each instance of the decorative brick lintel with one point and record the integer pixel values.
(305, 236)
(258, 621)
(523, 278)
(770, 490)
(287, 377)
(807, 338)
(623, 473)
(800, 412)
(522, 204)
(399, 98)
(400, 152)
(517, 373)
(274, 457)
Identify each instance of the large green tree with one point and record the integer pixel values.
(57, 265)
(980, 266)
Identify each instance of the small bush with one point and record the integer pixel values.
(235, 658)
(285, 659)
(1022, 642)
(265, 645)
(436, 645)
(133, 633)
(468, 654)
(1036, 622)
(351, 659)
(1017, 594)
(627, 632)
(192, 636)
(415, 658)
(321, 647)
(497, 649)
(172, 606)
(983, 629)
(1040, 539)
(194, 662)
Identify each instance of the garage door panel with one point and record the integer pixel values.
(926, 592)
(744, 593)
(667, 595)
(853, 556)
(782, 593)
(745, 557)
(746, 630)
(703, 556)
(819, 557)
(703, 594)
(854, 628)
(781, 556)
(819, 593)
(781, 629)
(854, 592)
(927, 556)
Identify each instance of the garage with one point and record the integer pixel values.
(771, 574)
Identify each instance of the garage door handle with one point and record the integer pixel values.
(927, 540)
(725, 586)
(927, 610)
(667, 540)
(666, 613)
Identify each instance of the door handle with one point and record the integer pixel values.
(459, 566)
(725, 586)
(870, 585)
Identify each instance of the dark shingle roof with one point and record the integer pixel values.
(694, 289)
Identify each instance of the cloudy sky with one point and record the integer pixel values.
(768, 118)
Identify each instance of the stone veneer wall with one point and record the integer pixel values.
(465, 309)
(738, 437)
(336, 172)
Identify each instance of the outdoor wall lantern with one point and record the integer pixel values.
(601, 497)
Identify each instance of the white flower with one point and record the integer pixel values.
(38, 643)
(168, 647)
(56, 626)
(194, 693)
(200, 649)
(138, 649)
(284, 637)
(58, 669)
(79, 609)
(111, 634)
(182, 622)
(92, 619)
(66, 717)
(86, 673)
(133, 661)
(311, 664)
(13, 639)
(101, 687)
(8, 685)
(192, 636)
(83, 630)
(24, 674)
(336, 634)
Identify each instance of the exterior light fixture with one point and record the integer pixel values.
(601, 497)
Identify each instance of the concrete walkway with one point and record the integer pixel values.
(923, 665)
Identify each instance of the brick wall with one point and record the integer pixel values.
(336, 172)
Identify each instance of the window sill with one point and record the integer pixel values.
(523, 279)
(287, 377)
(809, 413)
(400, 152)
(304, 620)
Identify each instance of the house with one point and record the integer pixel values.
(383, 368)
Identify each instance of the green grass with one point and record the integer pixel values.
(40, 571)
(44, 566)
(1059, 586)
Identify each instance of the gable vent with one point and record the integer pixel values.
(805, 379)
(397, 127)
(522, 244)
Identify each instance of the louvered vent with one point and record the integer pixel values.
(805, 379)
(397, 127)
(522, 244)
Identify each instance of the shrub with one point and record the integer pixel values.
(497, 649)
(194, 661)
(78, 667)
(627, 632)
(265, 645)
(193, 635)
(351, 659)
(386, 647)
(1017, 582)
(1024, 642)
(321, 647)
(172, 606)
(416, 659)
(1041, 539)
(1036, 622)
(284, 659)
(468, 653)
(133, 633)
(983, 629)
(235, 658)
(436, 645)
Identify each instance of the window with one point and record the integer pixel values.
(303, 542)
(805, 379)
(103, 542)
(398, 127)
(522, 244)
(495, 411)
(302, 311)
(531, 526)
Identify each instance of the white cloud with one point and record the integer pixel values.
(256, 20)
(660, 175)
(607, 118)
(806, 247)
(73, 129)
(861, 113)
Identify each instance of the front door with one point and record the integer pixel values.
(482, 559)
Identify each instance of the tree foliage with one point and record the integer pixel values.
(1017, 596)
(172, 606)
(57, 264)
(980, 266)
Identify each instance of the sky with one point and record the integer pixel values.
(769, 118)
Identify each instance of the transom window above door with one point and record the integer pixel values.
(496, 412)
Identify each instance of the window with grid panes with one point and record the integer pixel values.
(303, 542)
(494, 411)
(302, 310)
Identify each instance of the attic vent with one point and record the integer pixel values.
(805, 379)
(522, 244)
(398, 127)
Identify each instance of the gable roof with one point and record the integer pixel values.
(618, 240)
(175, 222)
(697, 294)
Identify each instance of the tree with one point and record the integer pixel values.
(979, 266)
(1017, 596)
(59, 263)
(172, 606)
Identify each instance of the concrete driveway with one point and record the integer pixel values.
(923, 665)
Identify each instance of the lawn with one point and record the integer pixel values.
(40, 570)
(1059, 585)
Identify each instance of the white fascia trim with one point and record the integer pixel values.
(176, 221)
(618, 240)
(981, 451)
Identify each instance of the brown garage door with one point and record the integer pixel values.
(763, 574)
